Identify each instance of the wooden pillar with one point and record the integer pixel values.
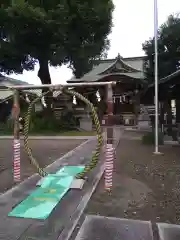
(168, 110)
(161, 119)
(102, 105)
(177, 111)
(169, 116)
(109, 114)
(136, 102)
(178, 115)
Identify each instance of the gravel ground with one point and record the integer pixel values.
(145, 187)
(45, 151)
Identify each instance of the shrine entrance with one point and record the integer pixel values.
(124, 113)
(130, 79)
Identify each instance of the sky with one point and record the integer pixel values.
(133, 24)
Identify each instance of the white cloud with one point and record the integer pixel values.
(133, 24)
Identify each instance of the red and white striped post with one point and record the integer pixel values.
(16, 142)
(109, 149)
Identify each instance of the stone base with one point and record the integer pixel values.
(143, 124)
(86, 124)
(168, 231)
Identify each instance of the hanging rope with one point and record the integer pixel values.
(33, 161)
(96, 154)
(95, 118)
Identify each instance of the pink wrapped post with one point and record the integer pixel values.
(109, 149)
(16, 142)
(16, 161)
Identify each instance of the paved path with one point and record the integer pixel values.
(61, 221)
(45, 151)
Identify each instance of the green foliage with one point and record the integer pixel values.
(149, 138)
(54, 32)
(68, 121)
(40, 123)
(89, 28)
(168, 49)
(17, 1)
(6, 128)
(12, 57)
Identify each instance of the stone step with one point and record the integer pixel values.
(168, 231)
(106, 228)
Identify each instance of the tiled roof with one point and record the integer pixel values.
(135, 75)
(7, 81)
(167, 78)
(4, 94)
(136, 62)
(99, 71)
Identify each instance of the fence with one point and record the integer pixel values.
(34, 104)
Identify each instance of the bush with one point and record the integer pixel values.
(44, 125)
(7, 127)
(68, 121)
(149, 138)
(40, 123)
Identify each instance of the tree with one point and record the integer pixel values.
(168, 49)
(11, 58)
(55, 32)
(168, 57)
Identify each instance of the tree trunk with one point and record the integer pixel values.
(43, 72)
(45, 78)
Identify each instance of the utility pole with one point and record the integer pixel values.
(156, 99)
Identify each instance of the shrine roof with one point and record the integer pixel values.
(135, 75)
(7, 81)
(168, 78)
(170, 81)
(132, 67)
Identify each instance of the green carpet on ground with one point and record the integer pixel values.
(42, 201)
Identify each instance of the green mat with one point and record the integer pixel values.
(42, 201)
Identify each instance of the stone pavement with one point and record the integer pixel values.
(106, 228)
(62, 219)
